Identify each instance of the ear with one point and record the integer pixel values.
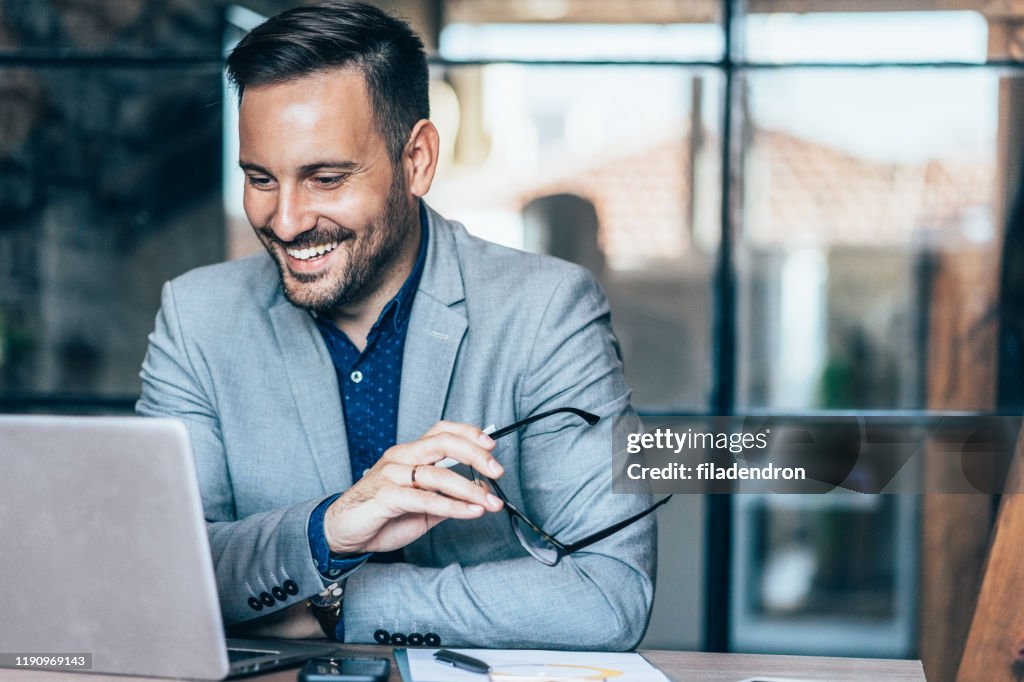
(419, 160)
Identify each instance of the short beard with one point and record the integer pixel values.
(372, 256)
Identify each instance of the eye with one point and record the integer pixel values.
(259, 181)
(329, 181)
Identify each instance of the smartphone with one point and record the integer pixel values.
(345, 669)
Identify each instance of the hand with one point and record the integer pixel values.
(404, 495)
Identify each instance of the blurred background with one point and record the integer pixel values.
(794, 206)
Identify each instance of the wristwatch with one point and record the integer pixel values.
(326, 607)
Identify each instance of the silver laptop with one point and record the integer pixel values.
(103, 552)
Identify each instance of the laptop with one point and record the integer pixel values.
(104, 553)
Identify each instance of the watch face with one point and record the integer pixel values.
(331, 596)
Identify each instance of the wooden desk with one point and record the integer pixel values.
(680, 666)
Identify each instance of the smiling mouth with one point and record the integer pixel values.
(312, 252)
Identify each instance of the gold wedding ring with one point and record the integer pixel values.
(413, 476)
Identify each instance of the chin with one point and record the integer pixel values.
(317, 296)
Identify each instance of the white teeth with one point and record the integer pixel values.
(312, 252)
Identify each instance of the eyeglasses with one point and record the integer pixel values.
(541, 545)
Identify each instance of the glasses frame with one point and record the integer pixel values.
(561, 549)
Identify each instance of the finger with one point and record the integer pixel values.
(433, 520)
(412, 501)
(429, 521)
(467, 431)
(397, 473)
(454, 486)
(442, 446)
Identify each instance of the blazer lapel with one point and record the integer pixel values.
(314, 385)
(436, 329)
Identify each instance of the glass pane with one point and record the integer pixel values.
(595, 165)
(568, 30)
(860, 188)
(109, 186)
(618, 42)
(838, 559)
(865, 37)
(854, 181)
(824, 574)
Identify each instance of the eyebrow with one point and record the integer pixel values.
(344, 166)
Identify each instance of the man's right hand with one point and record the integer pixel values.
(404, 495)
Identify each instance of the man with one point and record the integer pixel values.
(321, 382)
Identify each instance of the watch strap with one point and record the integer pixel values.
(327, 606)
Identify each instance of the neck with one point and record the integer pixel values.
(357, 317)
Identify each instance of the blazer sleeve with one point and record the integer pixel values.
(262, 562)
(598, 598)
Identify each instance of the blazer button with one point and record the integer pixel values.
(381, 637)
(415, 639)
(255, 604)
(398, 639)
(266, 598)
(278, 593)
(430, 639)
(291, 587)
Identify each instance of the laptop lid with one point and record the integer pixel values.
(104, 547)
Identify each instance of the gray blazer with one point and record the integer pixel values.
(494, 336)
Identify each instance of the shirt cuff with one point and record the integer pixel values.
(331, 566)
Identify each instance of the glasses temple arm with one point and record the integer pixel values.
(504, 431)
(611, 530)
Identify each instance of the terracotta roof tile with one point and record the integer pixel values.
(796, 191)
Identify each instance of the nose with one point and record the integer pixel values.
(292, 215)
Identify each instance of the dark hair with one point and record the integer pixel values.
(307, 40)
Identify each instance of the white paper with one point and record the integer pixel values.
(633, 667)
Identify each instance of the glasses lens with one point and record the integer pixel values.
(534, 543)
(532, 540)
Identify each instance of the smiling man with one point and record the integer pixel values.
(323, 382)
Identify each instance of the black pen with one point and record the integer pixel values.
(473, 665)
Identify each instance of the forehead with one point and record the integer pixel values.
(325, 112)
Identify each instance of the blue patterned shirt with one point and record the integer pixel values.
(369, 384)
